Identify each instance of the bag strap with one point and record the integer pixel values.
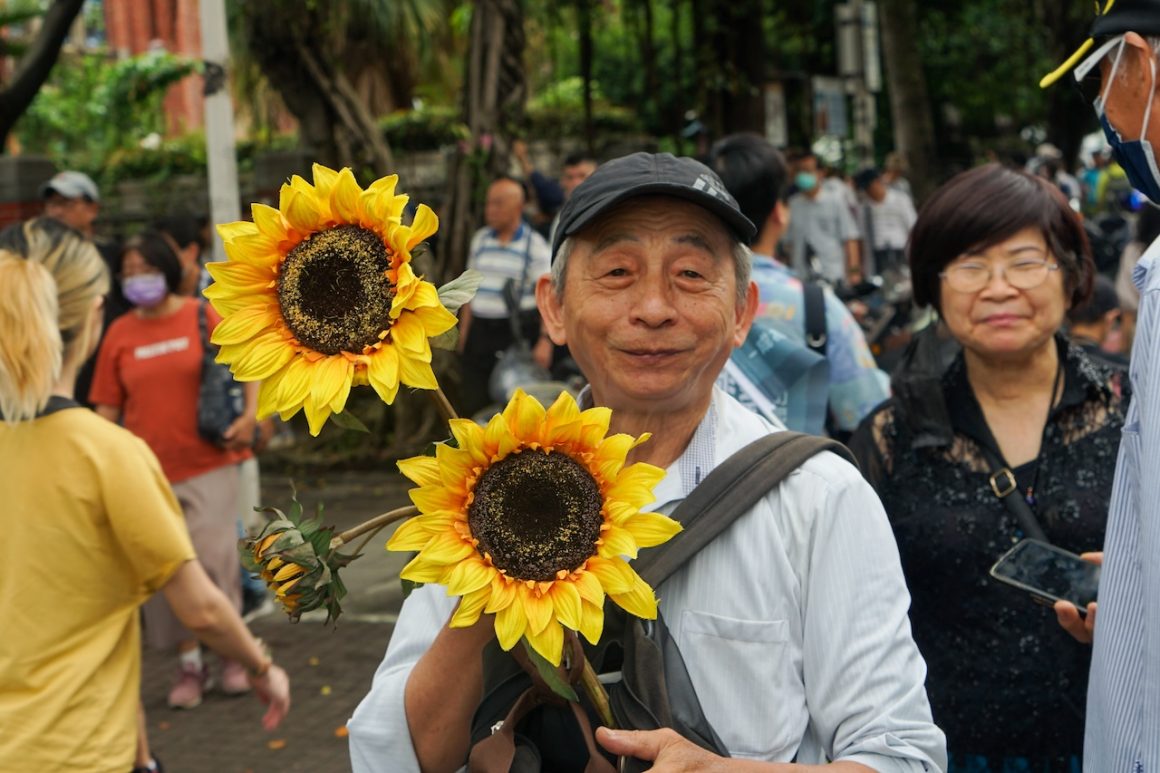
(203, 330)
(731, 489)
(1003, 485)
(815, 311)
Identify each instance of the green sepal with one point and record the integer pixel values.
(550, 674)
(348, 420)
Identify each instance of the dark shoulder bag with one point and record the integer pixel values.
(522, 727)
(220, 399)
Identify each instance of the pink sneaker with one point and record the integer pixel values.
(235, 680)
(186, 691)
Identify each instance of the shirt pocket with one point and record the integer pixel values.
(741, 671)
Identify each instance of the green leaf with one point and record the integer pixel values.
(409, 586)
(447, 341)
(348, 420)
(550, 674)
(460, 290)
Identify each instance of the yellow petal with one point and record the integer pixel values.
(425, 224)
(429, 499)
(300, 210)
(549, 643)
(592, 622)
(650, 529)
(383, 372)
(615, 576)
(455, 466)
(589, 587)
(344, 198)
(503, 593)
(538, 608)
(469, 437)
(407, 332)
(525, 415)
(510, 624)
(416, 373)
(468, 576)
(639, 600)
(412, 534)
(447, 548)
(293, 384)
(230, 231)
(258, 358)
(422, 570)
(269, 222)
(316, 416)
(288, 572)
(611, 454)
(435, 320)
(567, 603)
(616, 541)
(421, 470)
(498, 438)
(470, 606)
(240, 279)
(247, 323)
(635, 483)
(330, 382)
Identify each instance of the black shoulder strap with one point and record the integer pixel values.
(815, 303)
(730, 490)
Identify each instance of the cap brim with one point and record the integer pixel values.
(737, 223)
(1068, 64)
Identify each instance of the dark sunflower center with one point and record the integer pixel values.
(536, 513)
(334, 291)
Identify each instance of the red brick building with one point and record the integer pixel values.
(136, 26)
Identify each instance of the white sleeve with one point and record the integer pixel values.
(863, 674)
(380, 739)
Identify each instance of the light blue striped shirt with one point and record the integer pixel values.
(1123, 713)
(523, 259)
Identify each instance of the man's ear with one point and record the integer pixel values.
(745, 315)
(551, 310)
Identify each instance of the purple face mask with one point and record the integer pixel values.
(145, 289)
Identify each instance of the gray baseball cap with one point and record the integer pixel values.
(71, 185)
(643, 174)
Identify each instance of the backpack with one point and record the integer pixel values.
(521, 726)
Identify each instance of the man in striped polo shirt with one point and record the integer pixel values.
(507, 248)
(1117, 70)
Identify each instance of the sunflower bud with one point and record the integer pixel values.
(293, 556)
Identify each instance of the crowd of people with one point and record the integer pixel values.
(848, 618)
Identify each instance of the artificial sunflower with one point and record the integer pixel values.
(318, 295)
(530, 518)
(295, 557)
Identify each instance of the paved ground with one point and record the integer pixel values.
(330, 669)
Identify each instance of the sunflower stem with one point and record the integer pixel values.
(378, 522)
(443, 404)
(597, 694)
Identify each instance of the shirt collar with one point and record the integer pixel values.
(694, 463)
(519, 233)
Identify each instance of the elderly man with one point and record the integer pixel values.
(1123, 713)
(793, 622)
(505, 249)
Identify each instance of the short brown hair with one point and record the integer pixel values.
(981, 207)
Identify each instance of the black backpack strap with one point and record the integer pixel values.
(731, 489)
(815, 313)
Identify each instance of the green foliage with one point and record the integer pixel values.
(93, 108)
(427, 129)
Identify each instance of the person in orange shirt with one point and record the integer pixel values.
(148, 377)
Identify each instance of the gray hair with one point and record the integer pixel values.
(742, 263)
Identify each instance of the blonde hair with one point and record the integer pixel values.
(49, 278)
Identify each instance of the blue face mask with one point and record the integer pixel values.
(1135, 156)
(805, 181)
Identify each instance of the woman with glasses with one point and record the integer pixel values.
(1018, 433)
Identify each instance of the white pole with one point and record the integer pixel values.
(219, 121)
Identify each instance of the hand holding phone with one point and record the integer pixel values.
(1049, 574)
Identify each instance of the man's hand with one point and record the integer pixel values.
(273, 689)
(669, 752)
(542, 353)
(1082, 629)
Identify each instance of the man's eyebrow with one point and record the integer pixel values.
(696, 240)
(613, 239)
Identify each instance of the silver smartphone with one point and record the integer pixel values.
(1048, 573)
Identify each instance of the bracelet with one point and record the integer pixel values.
(262, 670)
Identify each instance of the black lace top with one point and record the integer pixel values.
(1003, 678)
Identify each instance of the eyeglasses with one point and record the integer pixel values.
(970, 276)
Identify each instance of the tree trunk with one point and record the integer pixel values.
(36, 65)
(291, 47)
(493, 107)
(909, 104)
(584, 17)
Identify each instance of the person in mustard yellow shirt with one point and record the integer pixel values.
(91, 529)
